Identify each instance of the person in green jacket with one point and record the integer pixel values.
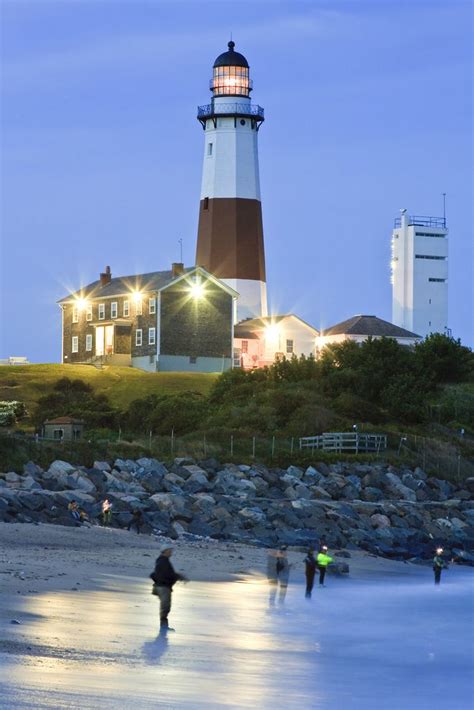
(438, 565)
(323, 560)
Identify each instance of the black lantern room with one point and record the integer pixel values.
(231, 74)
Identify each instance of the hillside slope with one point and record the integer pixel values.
(122, 385)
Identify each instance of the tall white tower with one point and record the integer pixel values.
(230, 234)
(420, 274)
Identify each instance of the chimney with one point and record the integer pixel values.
(106, 277)
(177, 268)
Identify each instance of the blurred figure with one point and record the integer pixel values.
(323, 560)
(136, 521)
(164, 578)
(106, 512)
(73, 508)
(310, 571)
(438, 565)
(278, 573)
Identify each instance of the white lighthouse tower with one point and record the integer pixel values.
(420, 274)
(230, 234)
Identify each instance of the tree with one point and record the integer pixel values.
(444, 358)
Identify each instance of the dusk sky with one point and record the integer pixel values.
(367, 109)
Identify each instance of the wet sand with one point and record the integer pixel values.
(383, 637)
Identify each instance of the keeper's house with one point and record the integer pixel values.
(177, 320)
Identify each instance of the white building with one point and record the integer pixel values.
(260, 341)
(360, 328)
(420, 274)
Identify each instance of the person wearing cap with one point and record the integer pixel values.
(164, 578)
(438, 565)
(310, 571)
(278, 573)
(323, 560)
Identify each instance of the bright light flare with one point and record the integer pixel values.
(137, 296)
(272, 333)
(197, 290)
(81, 304)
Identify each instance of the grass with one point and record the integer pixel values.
(122, 385)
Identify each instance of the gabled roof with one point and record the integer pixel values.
(64, 420)
(152, 281)
(254, 324)
(368, 325)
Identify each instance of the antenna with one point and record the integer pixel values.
(180, 242)
(444, 208)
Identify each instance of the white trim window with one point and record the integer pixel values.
(152, 306)
(89, 342)
(138, 337)
(126, 309)
(89, 312)
(75, 344)
(290, 347)
(139, 307)
(101, 311)
(114, 309)
(75, 314)
(151, 336)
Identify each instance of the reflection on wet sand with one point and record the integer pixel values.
(81, 649)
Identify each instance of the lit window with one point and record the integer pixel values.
(89, 313)
(151, 336)
(152, 306)
(245, 346)
(114, 309)
(101, 311)
(209, 148)
(75, 315)
(126, 308)
(75, 344)
(88, 342)
(289, 347)
(138, 337)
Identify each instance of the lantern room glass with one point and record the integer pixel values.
(233, 81)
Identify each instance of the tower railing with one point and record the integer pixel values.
(235, 108)
(417, 221)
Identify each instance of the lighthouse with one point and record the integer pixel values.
(230, 233)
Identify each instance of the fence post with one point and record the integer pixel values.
(149, 437)
(292, 444)
(459, 467)
(273, 446)
(232, 445)
(253, 447)
(172, 442)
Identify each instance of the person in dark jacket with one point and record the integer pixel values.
(310, 570)
(136, 521)
(438, 565)
(164, 578)
(278, 573)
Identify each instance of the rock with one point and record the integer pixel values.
(31, 469)
(178, 530)
(371, 494)
(302, 491)
(29, 484)
(81, 482)
(12, 477)
(184, 461)
(295, 471)
(65, 497)
(338, 568)
(252, 516)
(114, 484)
(151, 481)
(60, 468)
(469, 484)
(320, 493)
(444, 487)
(290, 493)
(420, 474)
(398, 489)
(197, 481)
(380, 521)
(102, 466)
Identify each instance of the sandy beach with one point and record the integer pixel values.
(79, 629)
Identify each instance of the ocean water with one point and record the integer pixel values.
(385, 644)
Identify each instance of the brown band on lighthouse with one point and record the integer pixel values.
(230, 238)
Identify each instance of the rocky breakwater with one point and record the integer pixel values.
(394, 512)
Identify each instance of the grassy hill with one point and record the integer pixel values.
(122, 385)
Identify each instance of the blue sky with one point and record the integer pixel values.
(367, 110)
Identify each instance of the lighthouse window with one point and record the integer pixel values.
(209, 148)
(242, 122)
(205, 203)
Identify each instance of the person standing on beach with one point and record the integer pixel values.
(136, 521)
(323, 560)
(106, 512)
(310, 571)
(438, 565)
(278, 573)
(164, 578)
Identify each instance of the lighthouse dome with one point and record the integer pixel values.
(231, 58)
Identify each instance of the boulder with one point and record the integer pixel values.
(252, 516)
(320, 493)
(102, 466)
(469, 484)
(380, 521)
(302, 491)
(371, 494)
(151, 481)
(60, 468)
(81, 482)
(33, 470)
(12, 477)
(197, 481)
(295, 471)
(29, 484)
(398, 489)
(420, 474)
